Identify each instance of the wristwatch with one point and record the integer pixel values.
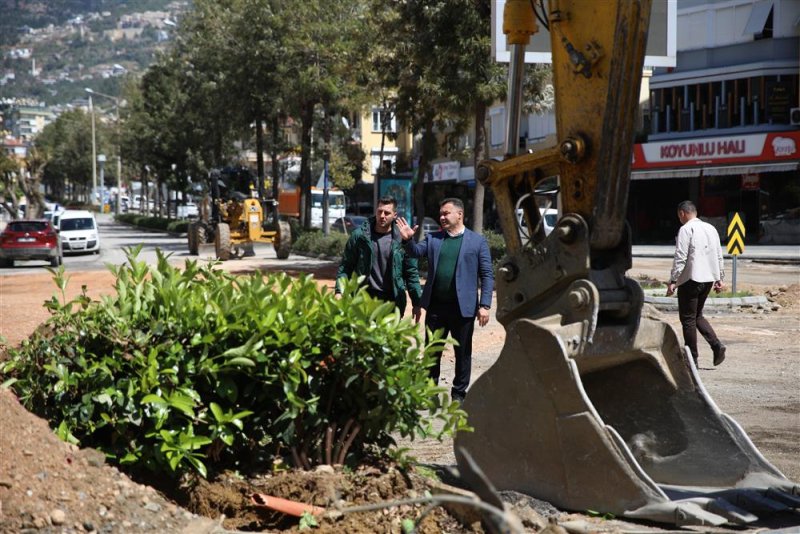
(485, 307)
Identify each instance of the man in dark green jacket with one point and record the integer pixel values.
(375, 251)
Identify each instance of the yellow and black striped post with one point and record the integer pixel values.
(735, 243)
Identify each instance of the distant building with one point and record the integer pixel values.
(26, 121)
(14, 147)
(723, 125)
(19, 53)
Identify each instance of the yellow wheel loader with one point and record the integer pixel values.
(607, 408)
(233, 217)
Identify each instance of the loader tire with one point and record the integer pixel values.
(201, 234)
(191, 238)
(283, 240)
(222, 242)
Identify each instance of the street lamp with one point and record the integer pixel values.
(119, 147)
(94, 152)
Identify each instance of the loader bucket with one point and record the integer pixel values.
(608, 413)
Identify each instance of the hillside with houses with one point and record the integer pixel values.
(51, 51)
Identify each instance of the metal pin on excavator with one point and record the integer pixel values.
(607, 409)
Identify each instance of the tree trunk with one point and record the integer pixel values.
(479, 155)
(379, 172)
(327, 133)
(260, 156)
(307, 117)
(276, 165)
(427, 153)
(32, 187)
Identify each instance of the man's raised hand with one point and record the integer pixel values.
(406, 232)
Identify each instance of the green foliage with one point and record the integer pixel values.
(178, 227)
(314, 242)
(66, 143)
(156, 223)
(307, 521)
(185, 368)
(497, 245)
(731, 294)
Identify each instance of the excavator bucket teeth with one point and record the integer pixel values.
(614, 419)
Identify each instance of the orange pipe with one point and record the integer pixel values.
(285, 506)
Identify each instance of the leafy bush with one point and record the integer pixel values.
(497, 245)
(315, 242)
(184, 367)
(156, 223)
(178, 227)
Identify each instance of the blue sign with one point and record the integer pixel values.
(400, 189)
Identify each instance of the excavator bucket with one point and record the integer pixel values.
(593, 406)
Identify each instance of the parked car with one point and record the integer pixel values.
(78, 230)
(348, 223)
(30, 240)
(429, 225)
(188, 211)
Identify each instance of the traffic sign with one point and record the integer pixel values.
(736, 235)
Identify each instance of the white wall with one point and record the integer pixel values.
(720, 23)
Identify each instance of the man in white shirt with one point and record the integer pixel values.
(697, 268)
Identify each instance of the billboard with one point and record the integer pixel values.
(400, 189)
(661, 41)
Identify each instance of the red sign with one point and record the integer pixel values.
(726, 150)
(751, 182)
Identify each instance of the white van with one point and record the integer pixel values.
(78, 230)
(549, 220)
(336, 206)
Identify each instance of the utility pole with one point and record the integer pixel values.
(94, 153)
(119, 144)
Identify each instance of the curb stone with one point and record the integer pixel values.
(651, 297)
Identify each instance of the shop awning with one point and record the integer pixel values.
(694, 172)
(667, 173)
(750, 169)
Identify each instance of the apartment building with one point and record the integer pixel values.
(25, 121)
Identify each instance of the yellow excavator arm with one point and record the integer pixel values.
(594, 403)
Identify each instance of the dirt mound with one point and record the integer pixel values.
(788, 297)
(326, 488)
(48, 484)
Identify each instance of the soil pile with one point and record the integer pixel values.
(49, 485)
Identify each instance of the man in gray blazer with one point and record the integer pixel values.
(459, 285)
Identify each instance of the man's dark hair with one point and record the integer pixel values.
(454, 201)
(388, 199)
(687, 206)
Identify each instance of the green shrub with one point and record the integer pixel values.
(497, 245)
(156, 223)
(184, 367)
(178, 227)
(314, 242)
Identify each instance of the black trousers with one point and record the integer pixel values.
(448, 317)
(691, 299)
(386, 297)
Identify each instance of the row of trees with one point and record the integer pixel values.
(240, 69)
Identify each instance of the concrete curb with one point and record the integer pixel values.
(652, 296)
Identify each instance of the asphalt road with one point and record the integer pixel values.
(116, 238)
